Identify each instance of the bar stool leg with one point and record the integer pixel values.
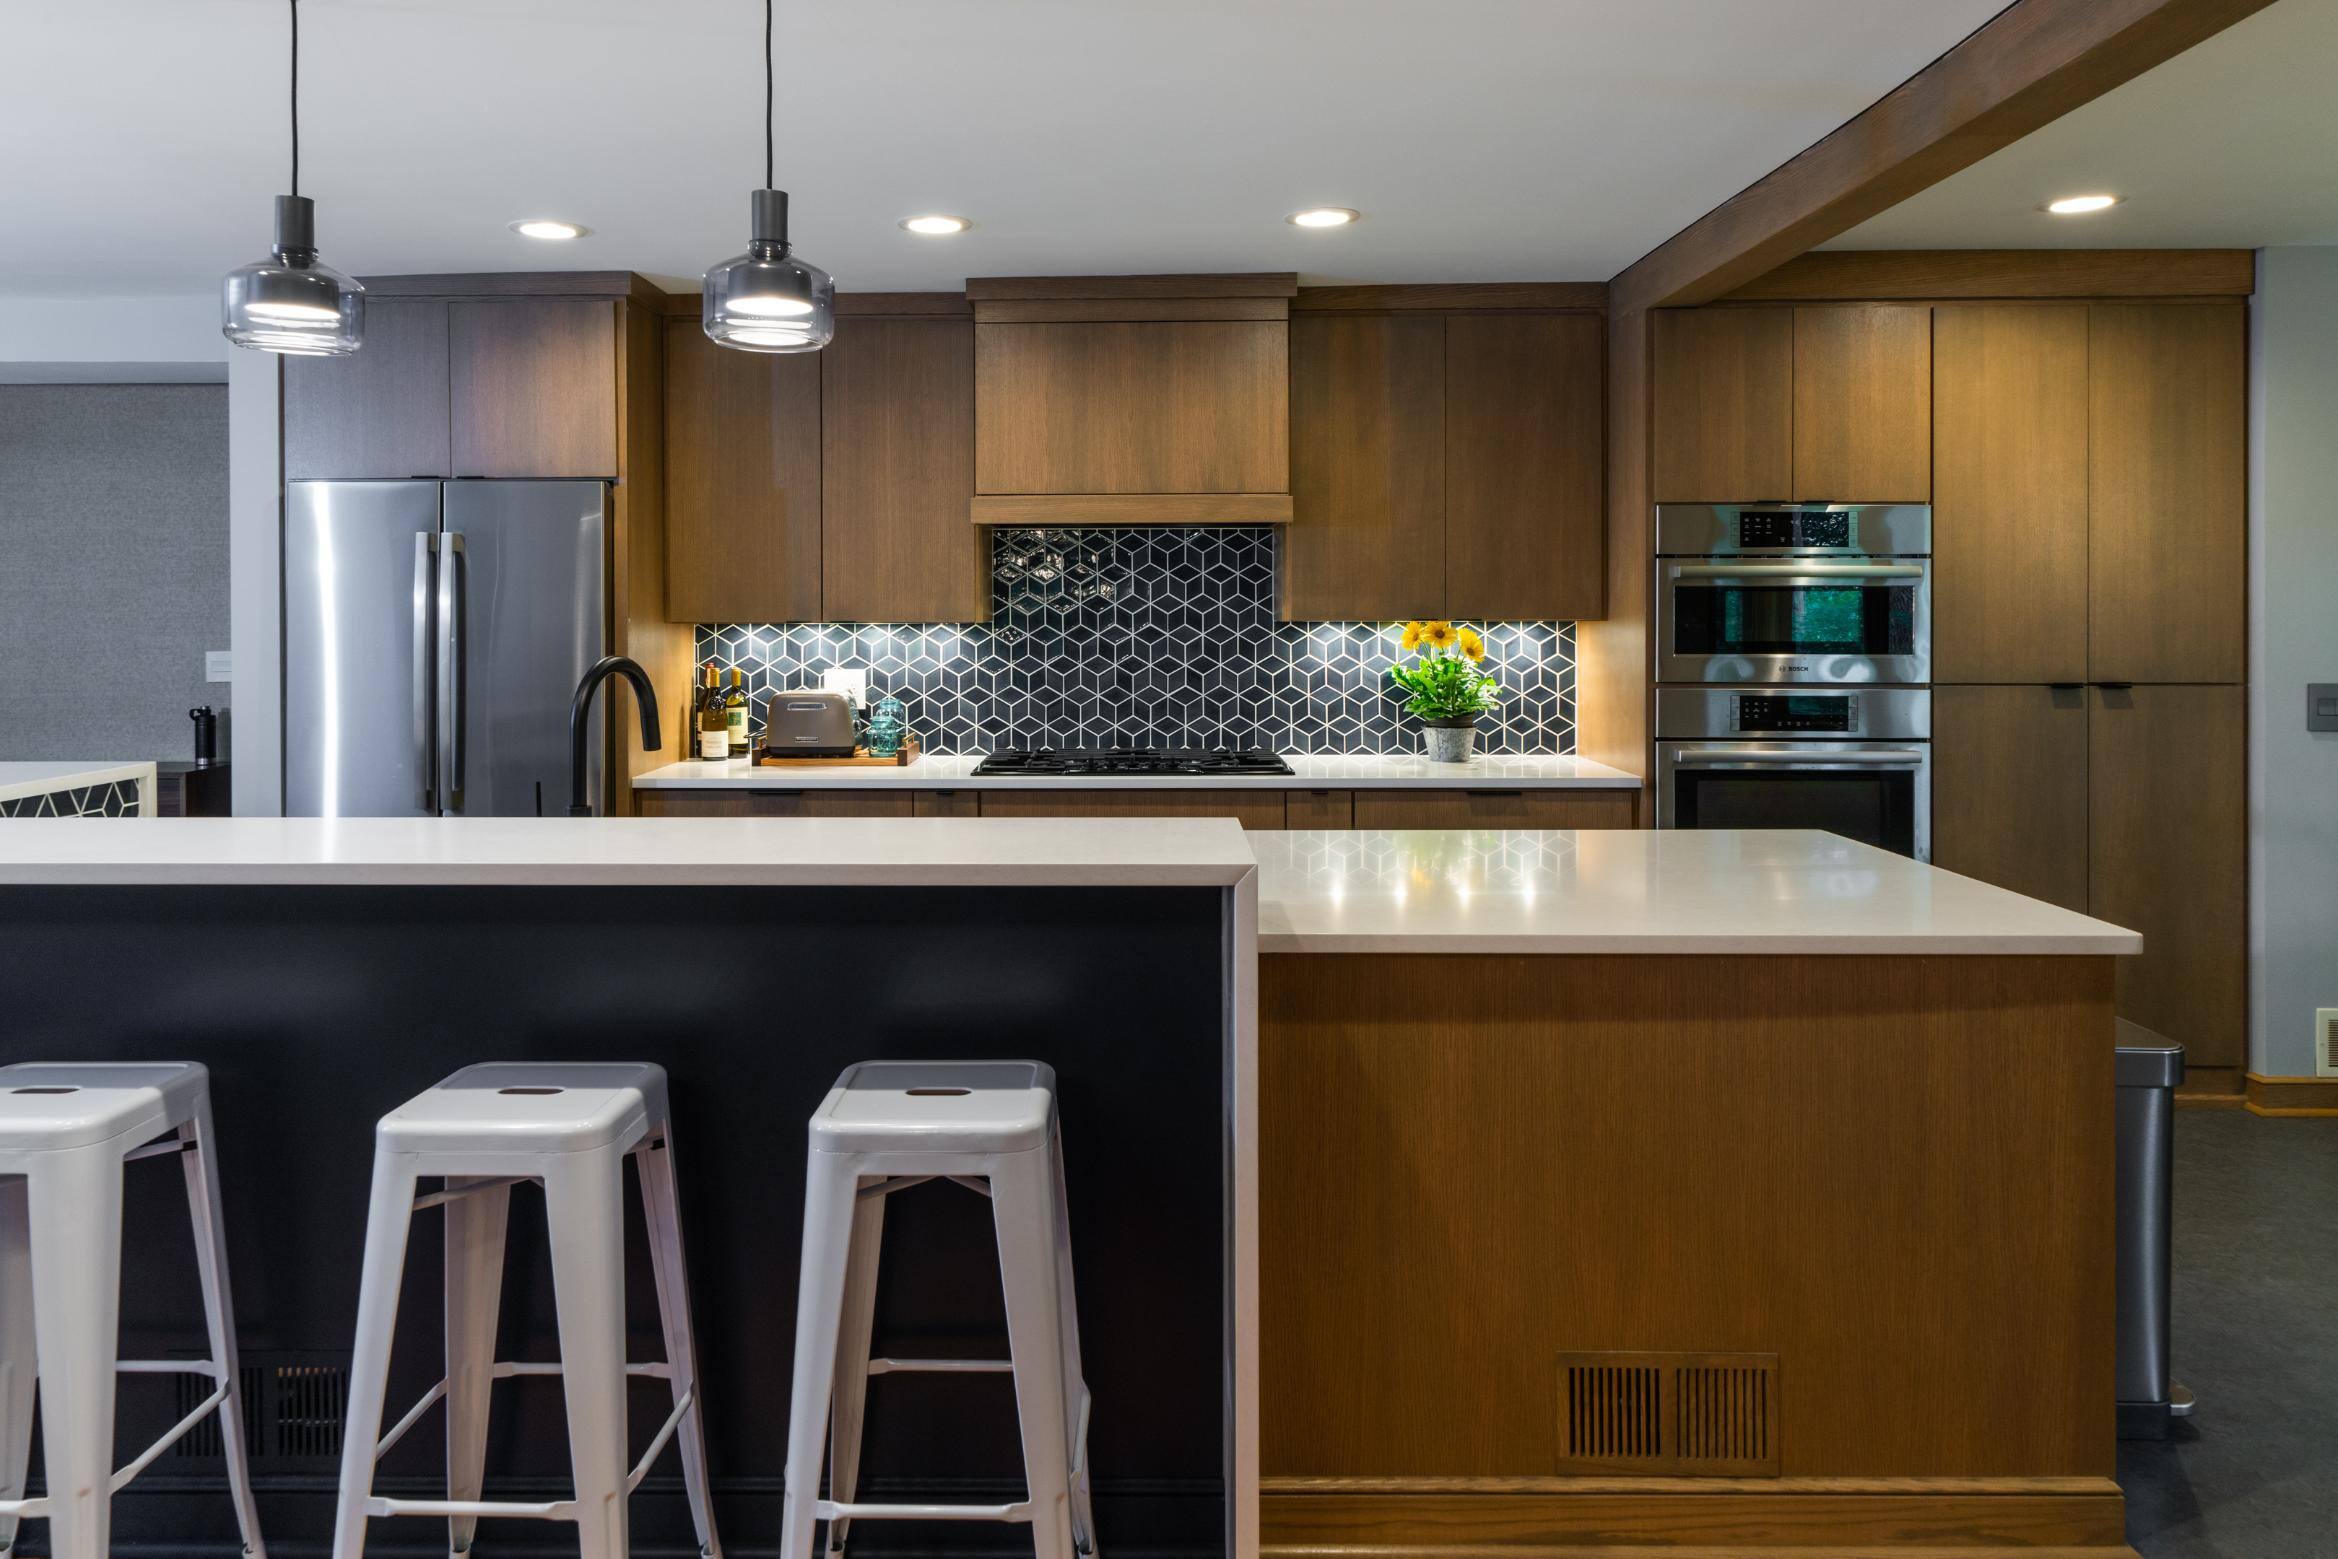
(829, 1206)
(662, 1208)
(857, 1326)
(475, 1226)
(19, 1360)
(1075, 1383)
(584, 1204)
(202, 1173)
(75, 1201)
(1023, 1206)
(387, 1216)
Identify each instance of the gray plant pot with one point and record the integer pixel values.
(1450, 741)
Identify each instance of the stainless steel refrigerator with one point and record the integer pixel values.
(434, 633)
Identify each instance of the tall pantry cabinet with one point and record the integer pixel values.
(2089, 634)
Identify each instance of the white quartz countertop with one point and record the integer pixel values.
(1639, 891)
(1358, 771)
(587, 852)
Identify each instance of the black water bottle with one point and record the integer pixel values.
(206, 736)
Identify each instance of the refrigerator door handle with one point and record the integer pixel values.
(426, 664)
(453, 607)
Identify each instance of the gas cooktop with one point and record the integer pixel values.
(1106, 762)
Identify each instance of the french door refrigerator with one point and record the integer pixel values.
(434, 633)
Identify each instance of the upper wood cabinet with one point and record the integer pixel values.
(1830, 402)
(1445, 466)
(897, 470)
(532, 387)
(1724, 414)
(1155, 406)
(743, 482)
(380, 412)
(2168, 466)
(1367, 538)
(1863, 403)
(2010, 493)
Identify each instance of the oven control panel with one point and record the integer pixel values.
(1835, 530)
(1803, 714)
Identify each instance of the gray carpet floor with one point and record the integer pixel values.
(2253, 1474)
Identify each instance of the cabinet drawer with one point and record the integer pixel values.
(946, 803)
(1496, 808)
(772, 803)
(1319, 809)
(1258, 809)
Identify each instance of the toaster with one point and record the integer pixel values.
(809, 724)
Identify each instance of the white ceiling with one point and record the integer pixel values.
(1484, 140)
(2231, 144)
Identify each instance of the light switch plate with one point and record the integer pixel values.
(851, 681)
(2322, 706)
(218, 666)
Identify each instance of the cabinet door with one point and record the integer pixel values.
(1183, 406)
(2169, 830)
(1366, 541)
(1496, 809)
(897, 473)
(380, 412)
(2009, 501)
(532, 386)
(772, 803)
(1319, 809)
(1863, 403)
(2169, 537)
(1724, 418)
(945, 803)
(743, 535)
(1254, 809)
(1525, 472)
(2009, 798)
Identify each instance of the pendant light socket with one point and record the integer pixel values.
(296, 227)
(767, 217)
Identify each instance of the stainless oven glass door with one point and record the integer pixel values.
(1878, 794)
(1794, 620)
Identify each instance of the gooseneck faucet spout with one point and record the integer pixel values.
(644, 696)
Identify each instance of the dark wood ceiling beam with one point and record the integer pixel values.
(2033, 62)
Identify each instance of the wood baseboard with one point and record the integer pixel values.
(1694, 1518)
(2211, 1088)
(2292, 1097)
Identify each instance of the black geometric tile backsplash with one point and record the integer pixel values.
(1151, 637)
(116, 800)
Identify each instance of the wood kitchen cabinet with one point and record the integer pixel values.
(744, 536)
(379, 413)
(1496, 808)
(1319, 809)
(2168, 467)
(2009, 789)
(773, 803)
(1254, 809)
(1724, 410)
(532, 387)
(2010, 493)
(1525, 456)
(1367, 536)
(896, 472)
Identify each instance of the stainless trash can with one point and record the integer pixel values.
(2148, 1073)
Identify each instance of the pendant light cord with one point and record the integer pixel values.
(295, 4)
(768, 109)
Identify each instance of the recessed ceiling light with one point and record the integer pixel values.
(2080, 205)
(541, 227)
(936, 226)
(1322, 216)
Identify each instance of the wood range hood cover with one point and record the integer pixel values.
(1132, 400)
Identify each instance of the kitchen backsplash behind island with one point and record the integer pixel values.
(1151, 637)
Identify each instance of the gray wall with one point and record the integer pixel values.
(2293, 774)
(113, 566)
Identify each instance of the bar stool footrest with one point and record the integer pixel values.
(1016, 1513)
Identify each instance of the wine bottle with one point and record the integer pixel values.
(714, 727)
(735, 706)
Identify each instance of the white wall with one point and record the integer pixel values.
(255, 601)
(2293, 640)
(107, 340)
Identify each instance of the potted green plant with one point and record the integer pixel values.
(1444, 687)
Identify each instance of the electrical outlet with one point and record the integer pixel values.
(2326, 1042)
(218, 666)
(851, 681)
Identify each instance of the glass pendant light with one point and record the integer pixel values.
(766, 300)
(289, 302)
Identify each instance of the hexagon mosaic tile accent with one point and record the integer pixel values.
(1150, 637)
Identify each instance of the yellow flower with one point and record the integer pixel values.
(1412, 638)
(1439, 634)
(1471, 645)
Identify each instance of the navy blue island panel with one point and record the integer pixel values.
(318, 1008)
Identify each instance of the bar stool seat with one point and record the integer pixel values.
(569, 1127)
(991, 1127)
(66, 1131)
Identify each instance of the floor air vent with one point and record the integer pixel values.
(293, 1412)
(1669, 1414)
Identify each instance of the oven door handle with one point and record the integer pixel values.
(1799, 570)
(1772, 758)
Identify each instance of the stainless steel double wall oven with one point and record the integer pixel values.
(1794, 663)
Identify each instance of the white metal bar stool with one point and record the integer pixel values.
(66, 1130)
(487, 1129)
(991, 1127)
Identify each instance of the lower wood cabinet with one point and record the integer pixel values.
(1496, 809)
(1260, 809)
(2126, 803)
(946, 803)
(773, 803)
(1319, 809)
